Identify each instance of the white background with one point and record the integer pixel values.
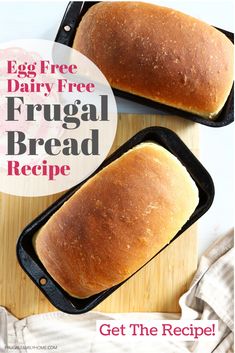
(35, 19)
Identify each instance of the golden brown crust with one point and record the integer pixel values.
(160, 54)
(117, 220)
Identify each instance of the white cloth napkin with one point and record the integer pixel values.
(209, 297)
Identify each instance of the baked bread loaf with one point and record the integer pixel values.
(160, 54)
(117, 221)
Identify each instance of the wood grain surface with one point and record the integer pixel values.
(157, 287)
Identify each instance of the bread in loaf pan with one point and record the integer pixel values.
(117, 221)
(160, 54)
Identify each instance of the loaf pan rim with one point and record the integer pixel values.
(66, 38)
(22, 254)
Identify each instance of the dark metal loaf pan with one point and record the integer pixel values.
(66, 33)
(34, 268)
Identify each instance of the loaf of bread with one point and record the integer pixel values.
(160, 54)
(117, 221)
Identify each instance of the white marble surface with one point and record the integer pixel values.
(33, 19)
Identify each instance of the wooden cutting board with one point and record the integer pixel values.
(157, 287)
